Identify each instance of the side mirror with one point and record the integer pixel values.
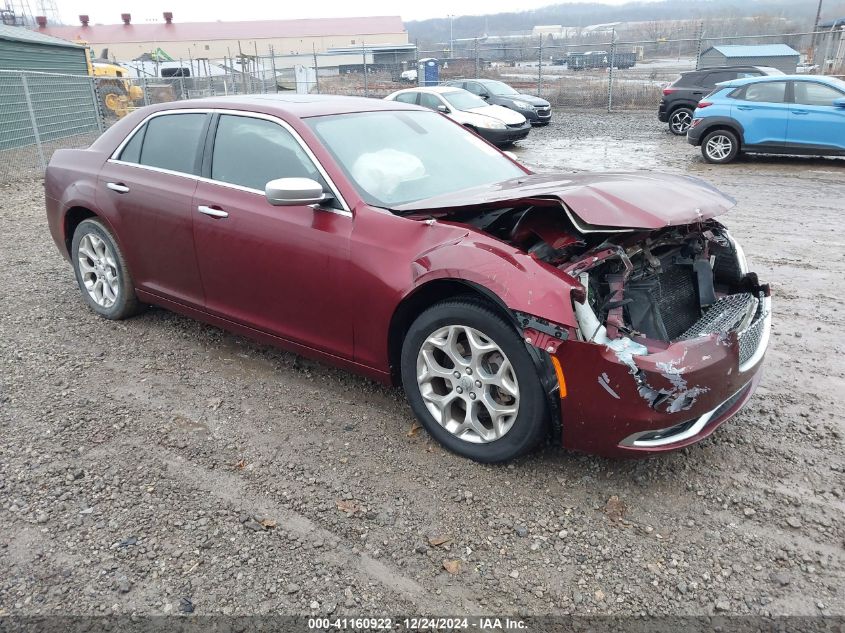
(290, 192)
(442, 108)
(839, 103)
(485, 96)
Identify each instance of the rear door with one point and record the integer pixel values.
(146, 191)
(278, 269)
(763, 111)
(814, 122)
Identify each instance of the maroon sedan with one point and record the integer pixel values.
(610, 310)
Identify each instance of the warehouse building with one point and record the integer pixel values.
(22, 49)
(216, 40)
(778, 56)
(42, 97)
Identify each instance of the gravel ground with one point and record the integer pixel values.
(158, 465)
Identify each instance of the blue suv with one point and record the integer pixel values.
(789, 114)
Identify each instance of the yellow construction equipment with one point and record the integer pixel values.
(118, 95)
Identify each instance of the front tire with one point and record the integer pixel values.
(679, 121)
(471, 382)
(719, 147)
(101, 271)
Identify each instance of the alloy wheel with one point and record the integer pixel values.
(98, 268)
(468, 384)
(680, 122)
(719, 147)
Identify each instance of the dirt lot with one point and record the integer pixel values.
(158, 465)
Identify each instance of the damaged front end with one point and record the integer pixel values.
(679, 311)
(670, 326)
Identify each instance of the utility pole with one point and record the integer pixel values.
(451, 37)
(816, 28)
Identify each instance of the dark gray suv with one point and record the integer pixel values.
(536, 110)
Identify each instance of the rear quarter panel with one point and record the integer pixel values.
(70, 181)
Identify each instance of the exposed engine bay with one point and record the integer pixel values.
(643, 286)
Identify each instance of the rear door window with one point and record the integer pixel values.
(718, 77)
(170, 141)
(767, 92)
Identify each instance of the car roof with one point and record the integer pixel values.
(708, 69)
(297, 105)
(830, 81)
(432, 89)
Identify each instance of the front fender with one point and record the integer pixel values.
(520, 281)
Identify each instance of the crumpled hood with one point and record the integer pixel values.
(621, 200)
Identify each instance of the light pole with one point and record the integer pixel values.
(451, 38)
(815, 28)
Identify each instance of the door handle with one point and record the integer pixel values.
(744, 108)
(214, 213)
(800, 112)
(118, 187)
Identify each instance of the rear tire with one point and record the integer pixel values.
(719, 147)
(679, 121)
(471, 382)
(101, 272)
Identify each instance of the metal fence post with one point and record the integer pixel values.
(610, 71)
(540, 68)
(182, 94)
(366, 80)
(700, 44)
(316, 69)
(273, 69)
(477, 68)
(144, 88)
(95, 101)
(34, 123)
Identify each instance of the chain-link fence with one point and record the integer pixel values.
(40, 112)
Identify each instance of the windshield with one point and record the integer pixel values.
(395, 157)
(498, 88)
(464, 100)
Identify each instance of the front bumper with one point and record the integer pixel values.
(626, 406)
(508, 135)
(537, 116)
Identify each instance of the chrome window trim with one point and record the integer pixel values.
(344, 211)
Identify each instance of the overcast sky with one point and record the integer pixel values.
(108, 11)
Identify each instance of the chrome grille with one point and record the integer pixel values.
(749, 340)
(727, 314)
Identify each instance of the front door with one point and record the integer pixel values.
(278, 269)
(814, 122)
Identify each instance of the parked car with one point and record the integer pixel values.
(681, 97)
(538, 111)
(790, 114)
(495, 123)
(611, 310)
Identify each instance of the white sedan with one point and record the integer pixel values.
(496, 124)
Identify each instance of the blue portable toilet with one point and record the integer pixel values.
(428, 72)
